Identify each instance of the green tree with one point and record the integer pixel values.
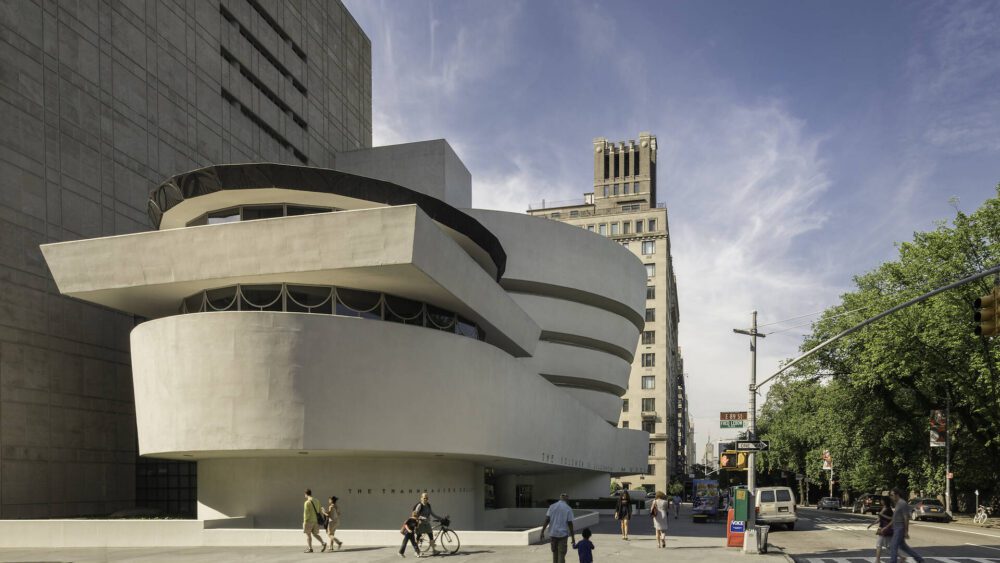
(871, 408)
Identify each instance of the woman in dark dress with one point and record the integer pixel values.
(623, 512)
(883, 531)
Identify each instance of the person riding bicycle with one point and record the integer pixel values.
(424, 515)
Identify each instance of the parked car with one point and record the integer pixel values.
(829, 503)
(867, 503)
(923, 508)
(776, 505)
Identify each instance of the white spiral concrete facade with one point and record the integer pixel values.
(269, 402)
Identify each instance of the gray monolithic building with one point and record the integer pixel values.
(100, 102)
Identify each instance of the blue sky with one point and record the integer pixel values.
(798, 141)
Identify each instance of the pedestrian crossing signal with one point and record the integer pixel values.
(733, 460)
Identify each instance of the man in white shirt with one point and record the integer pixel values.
(560, 517)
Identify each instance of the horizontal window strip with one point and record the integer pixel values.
(263, 125)
(259, 84)
(264, 51)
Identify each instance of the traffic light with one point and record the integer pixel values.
(733, 460)
(986, 313)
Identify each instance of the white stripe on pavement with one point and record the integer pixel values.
(985, 546)
(953, 529)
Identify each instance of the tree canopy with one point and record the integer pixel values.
(867, 399)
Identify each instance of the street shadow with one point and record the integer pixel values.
(935, 554)
(357, 549)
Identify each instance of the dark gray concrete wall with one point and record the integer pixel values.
(100, 101)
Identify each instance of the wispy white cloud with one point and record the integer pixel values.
(743, 184)
(953, 66)
(750, 188)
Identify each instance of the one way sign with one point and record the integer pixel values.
(754, 446)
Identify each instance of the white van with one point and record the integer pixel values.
(776, 505)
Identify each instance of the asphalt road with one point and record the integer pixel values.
(825, 536)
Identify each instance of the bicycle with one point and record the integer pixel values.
(444, 538)
(982, 515)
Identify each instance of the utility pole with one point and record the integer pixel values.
(752, 456)
(947, 451)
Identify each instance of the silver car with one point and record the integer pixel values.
(830, 503)
(928, 509)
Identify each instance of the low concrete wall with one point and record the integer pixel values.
(100, 533)
(228, 532)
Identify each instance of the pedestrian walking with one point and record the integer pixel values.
(883, 532)
(311, 517)
(677, 506)
(901, 528)
(424, 515)
(559, 518)
(409, 531)
(661, 513)
(332, 513)
(623, 512)
(585, 547)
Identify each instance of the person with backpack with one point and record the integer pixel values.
(409, 531)
(312, 520)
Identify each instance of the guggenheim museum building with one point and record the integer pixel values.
(362, 331)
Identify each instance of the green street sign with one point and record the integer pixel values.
(731, 423)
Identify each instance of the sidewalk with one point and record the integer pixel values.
(686, 542)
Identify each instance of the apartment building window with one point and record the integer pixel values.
(649, 382)
(650, 292)
(614, 228)
(652, 225)
(648, 404)
(605, 191)
(650, 269)
(626, 165)
(649, 246)
(626, 227)
(652, 449)
(590, 228)
(648, 360)
(574, 213)
(615, 192)
(616, 165)
(650, 315)
(625, 187)
(605, 166)
(651, 469)
(649, 426)
(638, 226)
(648, 337)
(624, 424)
(624, 405)
(635, 164)
(603, 229)
(556, 215)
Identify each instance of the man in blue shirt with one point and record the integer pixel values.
(560, 517)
